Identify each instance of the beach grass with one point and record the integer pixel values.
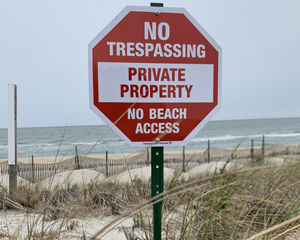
(253, 202)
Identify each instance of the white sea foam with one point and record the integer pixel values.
(37, 145)
(83, 143)
(255, 136)
(282, 135)
(216, 138)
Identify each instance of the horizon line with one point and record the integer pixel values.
(104, 124)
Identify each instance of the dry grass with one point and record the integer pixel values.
(262, 202)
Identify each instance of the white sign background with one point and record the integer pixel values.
(112, 74)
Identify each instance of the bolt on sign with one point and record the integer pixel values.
(155, 73)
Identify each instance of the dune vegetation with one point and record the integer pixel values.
(254, 201)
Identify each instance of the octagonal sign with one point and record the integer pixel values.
(155, 76)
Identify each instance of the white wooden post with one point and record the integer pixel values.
(12, 137)
(183, 159)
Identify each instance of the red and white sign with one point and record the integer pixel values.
(155, 76)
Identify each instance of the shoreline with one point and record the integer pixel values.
(52, 159)
(241, 152)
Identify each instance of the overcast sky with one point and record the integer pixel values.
(44, 45)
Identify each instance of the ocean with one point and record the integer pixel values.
(52, 141)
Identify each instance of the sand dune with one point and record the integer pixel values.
(207, 169)
(4, 181)
(72, 177)
(143, 173)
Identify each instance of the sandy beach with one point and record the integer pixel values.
(215, 153)
(112, 164)
(15, 223)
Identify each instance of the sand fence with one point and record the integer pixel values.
(37, 169)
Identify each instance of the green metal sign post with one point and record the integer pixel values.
(157, 178)
(156, 4)
(157, 187)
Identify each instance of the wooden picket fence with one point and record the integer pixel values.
(108, 165)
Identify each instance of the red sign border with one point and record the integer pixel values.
(108, 28)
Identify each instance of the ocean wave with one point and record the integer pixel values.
(38, 145)
(216, 138)
(280, 135)
(115, 142)
(83, 143)
(255, 136)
